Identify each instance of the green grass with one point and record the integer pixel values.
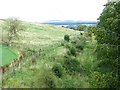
(49, 38)
(43, 35)
(7, 55)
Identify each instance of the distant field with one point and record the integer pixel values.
(7, 55)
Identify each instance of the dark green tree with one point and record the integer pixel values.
(109, 21)
(108, 38)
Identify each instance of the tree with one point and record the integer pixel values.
(109, 22)
(108, 38)
(13, 26)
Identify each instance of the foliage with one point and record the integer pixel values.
(79, 46)
(109, 22)
(71, 65)
(57, 70)
(108, 38)
(79, 43)
(97, 80)
(103, 80)
(72, 51)
(68, 45)
(67, 37)
(62, 44)
(49, 82)
(91, 30)
(108, 33)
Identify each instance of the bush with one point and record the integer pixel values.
(66, 37)
(73, 51)
(49, 82)
(68, 45)
(71, 65)
(97, 80)
(100, 80)
(81, 33)
(62, 44)
(79, 43)
(57, 70)
(79, 46)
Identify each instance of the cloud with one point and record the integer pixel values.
(41, 10)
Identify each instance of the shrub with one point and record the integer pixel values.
(79, 43)
(100, 80)
(57, 70)
(62, 44)
(66, 56)
(49, 82)
(73, 51)
(97, 80)
(74, 41)
(81, 33)
(66, 37)
(71, 65)
(68, 45)
(79, 46)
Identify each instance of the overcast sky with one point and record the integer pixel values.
(42, 10)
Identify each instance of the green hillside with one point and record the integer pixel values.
(36, 36)
(44, 35)
(50, 39)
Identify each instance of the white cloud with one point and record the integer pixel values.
(40, 10)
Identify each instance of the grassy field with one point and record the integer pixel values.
(7, 55)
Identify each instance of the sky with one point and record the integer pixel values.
(44, 10)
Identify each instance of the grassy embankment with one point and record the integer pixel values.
(49, 38)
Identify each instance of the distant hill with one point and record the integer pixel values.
(68, 22)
